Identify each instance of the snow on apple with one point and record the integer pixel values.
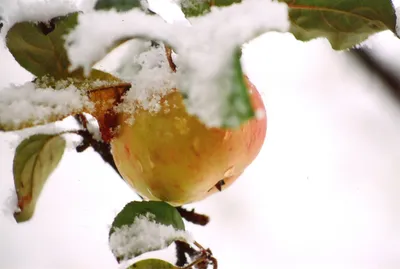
(146, 94)
(172, 156)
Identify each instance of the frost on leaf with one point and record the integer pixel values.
(145, 226)
(35, 159)
(207, 50)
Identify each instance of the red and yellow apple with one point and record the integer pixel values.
(173, 157)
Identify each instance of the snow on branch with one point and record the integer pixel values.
(206, 48)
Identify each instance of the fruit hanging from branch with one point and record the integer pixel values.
(172, 156)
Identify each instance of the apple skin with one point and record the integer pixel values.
(173, 157)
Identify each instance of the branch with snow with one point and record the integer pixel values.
(205, 49)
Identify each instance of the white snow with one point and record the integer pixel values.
(142, 62)
(144, 235)
(11, 204)
(14, 11)
(205, 48)
(398, 21)
(29, 105)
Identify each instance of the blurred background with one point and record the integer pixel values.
(323, 193)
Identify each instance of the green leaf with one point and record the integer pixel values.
(152, 264)
(128, 236)
(39, 46)
(234, 98)
(344, 23)
(35, 159)
(119, 5)
(163, 212)
(222, 3)
(194, 8)
(238, 104)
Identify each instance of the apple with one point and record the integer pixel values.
(173, 157)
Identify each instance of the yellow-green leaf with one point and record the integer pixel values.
(35, 159)
(152, 264)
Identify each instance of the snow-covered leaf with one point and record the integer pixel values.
(207, 51)
(35, 159)
(152, 264)
(344, 23)
(28, 105)
(48, 99)
(163, 214)
(236, 103)
(145, 226)
(120, 5)
(39, 46)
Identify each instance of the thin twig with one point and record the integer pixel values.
(181, 250)
(168, 52)
(82, 120)
(101, 147)
(202, 259)
(386, 75)
(198, 245)
(214, 261)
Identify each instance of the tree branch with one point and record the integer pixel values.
(168, 52)
(102, 148)
(193, 217)
(385, 74)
